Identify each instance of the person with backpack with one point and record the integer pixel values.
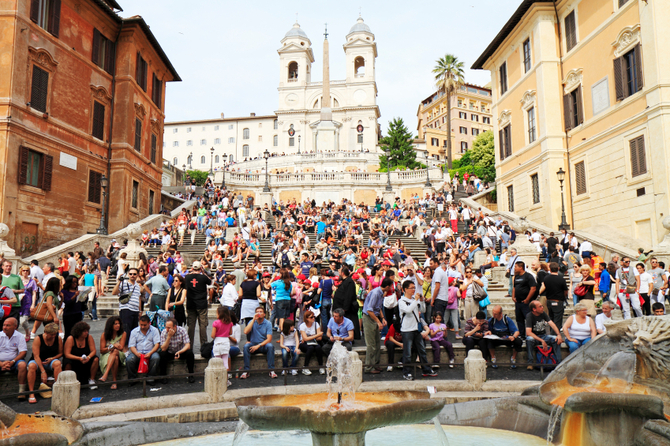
(627, 288)
(548, 346)
(502, 326)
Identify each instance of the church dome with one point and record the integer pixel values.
(360, 27)
(296, 31)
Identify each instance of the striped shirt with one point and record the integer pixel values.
(134, 302)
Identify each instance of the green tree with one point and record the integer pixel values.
(448, 77)
(479, 160)
(399, 143)
(198, 175)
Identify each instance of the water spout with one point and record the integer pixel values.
(240, 432)
(340, 374)
(556, 412)
(441, 435)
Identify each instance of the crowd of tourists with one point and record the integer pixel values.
(355, 282)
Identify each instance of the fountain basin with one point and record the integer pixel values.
(41, 430)
(371, 410)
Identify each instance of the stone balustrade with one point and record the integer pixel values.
(286, 161)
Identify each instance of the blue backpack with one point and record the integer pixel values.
(546, 356)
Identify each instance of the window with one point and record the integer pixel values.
(46, 13)
(39, 89)
(203, 142)
(359, 138)
(462, 115)
(245, 134)
(156, 90)
(231, 140)
(175, 144)
(35, 169)
(628, 73)
(133, 198)
(175, 130)
(204, 128)
(570, 31)
(203, 160)
(151, 202)
(245, 150)
(293, 71)
(531, 125)
(188, 129)
(535, 184)
(141, 72)
(189, 142)
(231, 157)
(291, 142)
(154, 139)
(510, 198)
(580, 178)
(622, 2)
(230, 126)
(260, 138)
(434, 142)
(276, 124)
(464, 146)
(98, 120)
(475, 132)
(216, 127)
(359, 66)
(260, 125)
(138, 134)
(463, 130)
(217, 140)
(94, 187)
(638, 159)
(486, 120)
(526, 55)
(502, 73)
(474, 117)
(175, 161)
(275, 141)
(216, 159)
(505, 141)
(572, 108)
(102, 53)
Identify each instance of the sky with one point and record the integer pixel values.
(226, 51)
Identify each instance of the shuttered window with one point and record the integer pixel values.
(573, 110)
(505, 140)
(570, 31)
(103, 52)
(138, 134)
(510, 198)
(46, 13)
(157, 91)
(35, 169)
(39, 89)
(135, 192)
(638, 157)
(98, 120)
(141, 72)
(502, 73)
(580, 178)
(153, 148)
(94, 187)
(535, 183)
(628, 78)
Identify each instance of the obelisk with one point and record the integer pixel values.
(326, 132)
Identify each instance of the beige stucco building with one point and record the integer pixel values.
(470, 116)
(584, 87)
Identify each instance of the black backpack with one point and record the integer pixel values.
(285, 261)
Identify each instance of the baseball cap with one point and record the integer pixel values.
(355, 276)
(451, 280)
(315, 284)
(301, 277)
(196, 265)
(387, 263)
(267, 274)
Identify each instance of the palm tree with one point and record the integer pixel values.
(448, 77)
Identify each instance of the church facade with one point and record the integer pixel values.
(294, 126)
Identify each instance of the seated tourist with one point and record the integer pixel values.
(505, 328)
(13, 351)
(259, 340)
(339, 329)
(175, 344)
(112, 349)
(393, 342)
(310, 335)
(288, 341)
(80, 354)
(473, 333)
(47, 357)
(605, 317)
(438, 337)
(144, 341)
(537, 322)
(579, 328)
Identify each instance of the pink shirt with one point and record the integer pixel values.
(222, 329)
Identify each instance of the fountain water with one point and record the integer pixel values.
(240, 432)
(555, 416)
(340, 376)
(441, 435)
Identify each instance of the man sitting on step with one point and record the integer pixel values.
(505, 328)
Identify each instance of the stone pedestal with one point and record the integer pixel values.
(7, 252)
(356, 369)
(265, 198)
(133, 250)
(216, 380)
(326, 136)
(65, 397)
(498, 274)
(479, 259)
(526, 251)
(389, 196)
(428, 190)
(475, 369)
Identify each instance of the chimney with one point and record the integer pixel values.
(221, 115)
(253, 114)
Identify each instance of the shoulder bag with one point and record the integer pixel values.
(40, 312)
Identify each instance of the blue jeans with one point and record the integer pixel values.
(268, 349)
(549, 339)
(94, 307)
(575, 345)
(412, 343)
(133, 363)
(234, 351)
(285, 354)
(575, 299)
(201, 223)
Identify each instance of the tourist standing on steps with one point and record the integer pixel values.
(345, 297)
(411, 334)
(196, 301)
(627, 288)
(523, 293)
(129, 310)
(373, 323)
(556, 290)
(14, 283)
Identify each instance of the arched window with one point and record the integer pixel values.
(202, 159)
(245, 151)
(359, 66)
(245, 134)
(293, 71)
(335, 103)
(316, 104)
(216, 159)
(275, 140)
(231, 158)
(276, 124)
(175, 161)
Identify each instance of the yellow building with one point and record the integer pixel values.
(470, 116)
(583, 86)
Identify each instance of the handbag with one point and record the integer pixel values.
(478, 292)
(485, 302)
(580, 291)
(144, 365)
(124, 297)
(40, 312)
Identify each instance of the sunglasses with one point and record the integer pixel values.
(132, 274)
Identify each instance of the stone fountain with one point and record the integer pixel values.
(36, 430)
(340, 417)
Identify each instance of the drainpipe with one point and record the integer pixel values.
(111, 129)
(567, 137)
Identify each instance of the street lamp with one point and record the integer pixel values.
(564, 224)
(183, 174)
(428, 184)
(266, 155)
(298, 144)
(211, 166)
(104, 182)
(388, 171)
(446, 159)
(225, 157)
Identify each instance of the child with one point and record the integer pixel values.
(288, 342)
(438, 338)
(221, 330)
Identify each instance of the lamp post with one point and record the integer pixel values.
(388, 171)
(225, 157)
(104, 182)
(564, 224)
(428, 184)
(211, 166)
(183, 175)
(298, 144)
(446, 160)
(266, 155)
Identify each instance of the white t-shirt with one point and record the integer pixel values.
(309, 331)
(645, 280)
(600, 321)
(453, 214)
(236, 333)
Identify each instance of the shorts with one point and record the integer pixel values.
(47, 367)
(15, 368)
(283, 308)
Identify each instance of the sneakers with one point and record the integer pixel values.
(389, 368)
(431, 372)
(408, 377)
(513, 366)
(294, 372)
(283, 372)
(273, 375)
(91, 382)
(322, 371)
(436, 366)
(493, 363)
(306, 372)
(451, 363)
(245, 375)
